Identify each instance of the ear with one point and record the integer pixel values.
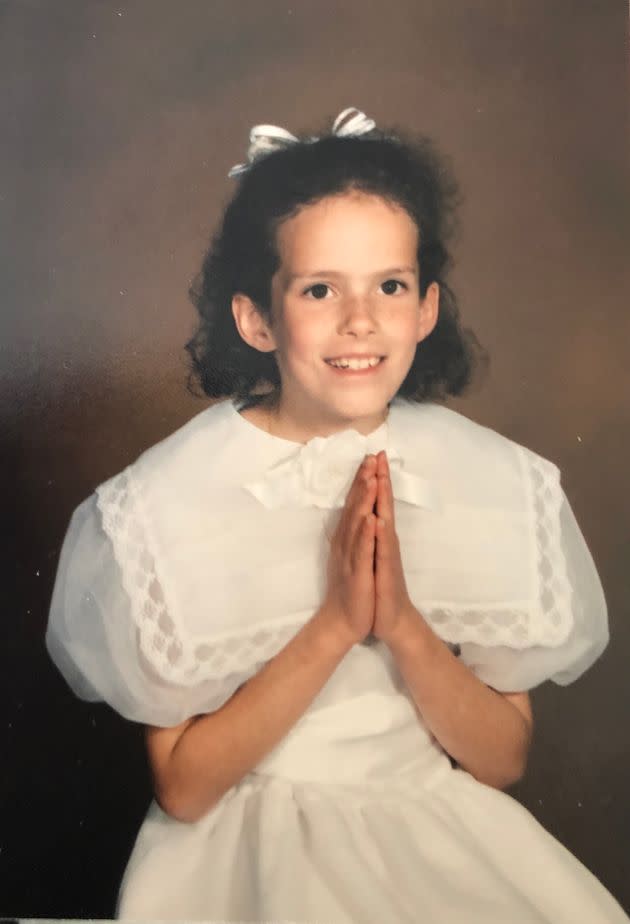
(429, 310)
(251, 325)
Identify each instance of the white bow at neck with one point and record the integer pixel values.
(320, 473)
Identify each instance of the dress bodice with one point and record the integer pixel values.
(362, 729)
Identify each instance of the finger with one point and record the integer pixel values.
(355, 502)
(361, 510)
(386, 539)
(381, 502)
(361, 475)
(379, 468)
(364, 476)
(362, 553)
(385, 503)
(386, 543)
(354, 492)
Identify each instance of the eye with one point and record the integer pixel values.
(319, 291)
(389, 287)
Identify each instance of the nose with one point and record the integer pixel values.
(357, 316)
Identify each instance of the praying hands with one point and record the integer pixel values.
(392, 605)
(367, 592)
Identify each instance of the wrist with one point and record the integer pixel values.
(411, 633)
(334, 633)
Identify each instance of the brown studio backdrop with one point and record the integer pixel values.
(120, 123)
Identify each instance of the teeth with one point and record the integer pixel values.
(354, 363)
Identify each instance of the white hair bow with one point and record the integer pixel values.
(263, 139)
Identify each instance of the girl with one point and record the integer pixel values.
(328, 596)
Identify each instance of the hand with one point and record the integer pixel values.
(350, 593)
(392, 604)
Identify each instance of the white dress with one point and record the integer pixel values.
(180, 577)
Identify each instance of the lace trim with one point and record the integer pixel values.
(226, 661)
(220, 663)
(518, 625)
(159, 641)
(554, 591)
(484, 626)
(236, 651)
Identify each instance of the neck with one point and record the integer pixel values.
(281, 422)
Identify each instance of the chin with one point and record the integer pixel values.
(360, 410)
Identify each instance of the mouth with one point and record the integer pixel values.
(355, 366)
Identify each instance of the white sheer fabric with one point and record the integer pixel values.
(177, 581)
(182, 575)
(94, 640)
(508, 669)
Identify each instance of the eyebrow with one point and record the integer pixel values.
(335, 274)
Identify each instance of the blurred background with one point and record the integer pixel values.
(119, 125)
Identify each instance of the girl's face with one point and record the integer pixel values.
(347, 287)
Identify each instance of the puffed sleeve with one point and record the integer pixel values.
(94, 641)
(508, 670)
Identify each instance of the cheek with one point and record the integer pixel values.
(407, 326)
(303, 338)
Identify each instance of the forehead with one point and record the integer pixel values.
(346, 230)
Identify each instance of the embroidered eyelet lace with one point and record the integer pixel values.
(230, 659)
(554, 587)
(227, 660)
(516, 626)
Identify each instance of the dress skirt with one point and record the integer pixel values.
(358, 817)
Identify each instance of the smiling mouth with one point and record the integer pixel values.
(356, 364)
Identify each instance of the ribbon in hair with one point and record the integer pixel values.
(263, 139)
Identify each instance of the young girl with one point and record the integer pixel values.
(328, 596)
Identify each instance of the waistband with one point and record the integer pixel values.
(373, 740)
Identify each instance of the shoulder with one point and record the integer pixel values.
(200, 448)
(207, 430)
(471, 461)
(453, 431)
(445, 422)
(202, 458)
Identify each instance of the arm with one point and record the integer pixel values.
(197, 762)
(486, 732)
